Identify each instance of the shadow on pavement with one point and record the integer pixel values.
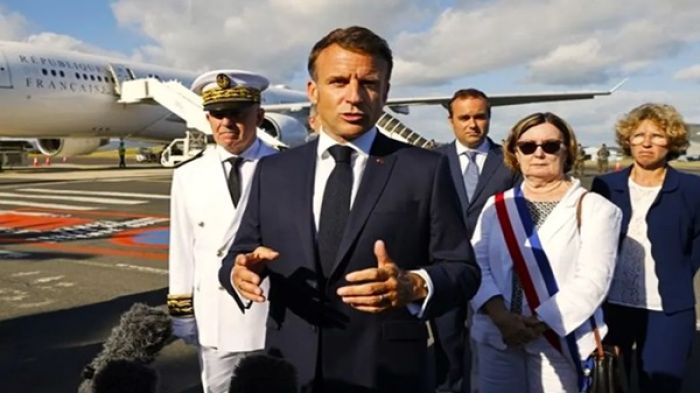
(47, 352)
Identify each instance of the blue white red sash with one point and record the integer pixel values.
(532, 266)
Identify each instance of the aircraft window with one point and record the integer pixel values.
(53, 72)
(77, 75)
(85, 76)
(43, 71)
(99, 78)
(92, 77)
(63, 74)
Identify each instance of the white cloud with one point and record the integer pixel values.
(13, 26)
(272, 36)
(581, 63)
(469, 39)
(570, 42)
(691, 73)
(65, 42)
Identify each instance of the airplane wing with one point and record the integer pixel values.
(400, 105)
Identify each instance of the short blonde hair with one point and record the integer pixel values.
(533, 120)
(666, 117)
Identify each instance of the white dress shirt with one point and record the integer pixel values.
(247, 167)
(325, 164)
(481, 152)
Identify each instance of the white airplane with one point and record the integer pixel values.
(71, 103)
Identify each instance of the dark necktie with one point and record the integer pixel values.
(234, 179)
(471, 174)
(335, 207)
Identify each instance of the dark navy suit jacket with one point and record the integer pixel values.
(454, 364)
(405, 198)
(673, 224)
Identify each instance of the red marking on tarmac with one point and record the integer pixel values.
(127, 238)
(38, 223)
(78, 249)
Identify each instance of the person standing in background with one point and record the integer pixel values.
(478, 171)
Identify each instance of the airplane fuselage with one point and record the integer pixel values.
(80, 93)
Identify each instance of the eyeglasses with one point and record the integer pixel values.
(549, 147)
(656, 139)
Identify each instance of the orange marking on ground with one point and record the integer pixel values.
(38, 223)
(103, 251)
(126, 238)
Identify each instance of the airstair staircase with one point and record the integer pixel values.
(184, 103)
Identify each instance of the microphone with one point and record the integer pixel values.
(122, 365)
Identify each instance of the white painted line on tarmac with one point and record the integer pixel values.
(45, 280)
(142, 268)
(46, 205)
(96, 193)
(121, 266)
(35, 304)
(22, 274)
(106, 201)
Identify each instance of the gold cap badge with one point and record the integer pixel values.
(223, 81)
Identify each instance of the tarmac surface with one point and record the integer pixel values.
(80, 243)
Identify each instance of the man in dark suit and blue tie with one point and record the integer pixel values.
(359, 235)
(477, 169)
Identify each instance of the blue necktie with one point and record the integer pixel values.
(471, 174)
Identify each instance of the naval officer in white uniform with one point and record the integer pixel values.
(208, 197)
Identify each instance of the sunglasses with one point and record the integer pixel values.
(549, 147)
(231, 114)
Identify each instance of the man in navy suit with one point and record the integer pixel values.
(358, 234)
(477, 169)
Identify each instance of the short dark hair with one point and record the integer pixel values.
(535, 119)
(469, 93)
(264, 374)
(355, 39)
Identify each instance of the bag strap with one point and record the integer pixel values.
(596, 332)
(578, 210)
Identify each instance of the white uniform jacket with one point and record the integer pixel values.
(583, 264)
(203, 224)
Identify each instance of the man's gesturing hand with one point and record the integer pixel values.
(246, 272)
(377, 289)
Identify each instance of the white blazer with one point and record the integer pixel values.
(203, 224)
(583, 264)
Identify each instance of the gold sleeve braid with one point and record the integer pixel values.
(180, 306)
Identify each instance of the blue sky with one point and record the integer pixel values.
(439, 46)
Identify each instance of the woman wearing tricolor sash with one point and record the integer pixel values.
(545, 272)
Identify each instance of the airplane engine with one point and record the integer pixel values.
(288, 129)
(68, 147)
